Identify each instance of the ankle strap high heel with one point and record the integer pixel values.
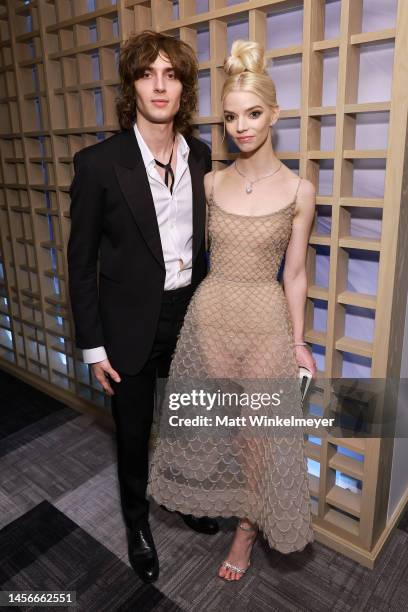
(236, 568)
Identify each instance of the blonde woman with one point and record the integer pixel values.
(241, 325)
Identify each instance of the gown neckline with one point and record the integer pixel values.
(275, 212)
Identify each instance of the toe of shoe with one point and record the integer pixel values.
(148, 571)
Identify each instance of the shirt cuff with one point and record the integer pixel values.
(94, 355)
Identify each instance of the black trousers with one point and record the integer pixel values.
(133, 404)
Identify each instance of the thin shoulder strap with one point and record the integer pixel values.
(297, 189)
(212, 185)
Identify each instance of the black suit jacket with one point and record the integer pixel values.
(113, 218)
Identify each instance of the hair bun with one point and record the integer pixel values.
(245, 55)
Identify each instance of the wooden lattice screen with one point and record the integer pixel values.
(58, 80)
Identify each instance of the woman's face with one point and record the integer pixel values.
(248, 119)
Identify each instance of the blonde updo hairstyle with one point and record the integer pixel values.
(246, 70)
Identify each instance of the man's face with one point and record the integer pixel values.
(158, 92)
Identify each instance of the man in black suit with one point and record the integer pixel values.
(138, 202)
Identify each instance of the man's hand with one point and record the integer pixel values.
(100, 369)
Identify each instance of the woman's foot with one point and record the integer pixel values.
(238, 560)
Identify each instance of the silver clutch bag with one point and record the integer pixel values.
(305, 377)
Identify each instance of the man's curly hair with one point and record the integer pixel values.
(136, 55)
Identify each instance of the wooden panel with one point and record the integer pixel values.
(58, 75)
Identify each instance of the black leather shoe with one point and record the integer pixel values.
(202, 524)
(142, 553)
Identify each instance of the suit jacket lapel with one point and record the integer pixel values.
(134, 183)
(197, 171)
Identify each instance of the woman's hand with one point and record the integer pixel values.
(305, 358)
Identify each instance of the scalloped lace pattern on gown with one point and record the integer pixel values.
(238, 327)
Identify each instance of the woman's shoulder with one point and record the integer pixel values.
(208, 180)
(219, 172)
(209, 184)
(208, 176)
(305, 198)
(216, 174)
(214, 177)
(304, 186)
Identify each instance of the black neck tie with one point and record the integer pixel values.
(169, 170)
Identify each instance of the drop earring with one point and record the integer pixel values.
(223, 137)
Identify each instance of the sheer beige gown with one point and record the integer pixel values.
(238, 328)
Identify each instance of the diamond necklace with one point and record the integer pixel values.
(248, 187)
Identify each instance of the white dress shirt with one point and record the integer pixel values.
(174, 213)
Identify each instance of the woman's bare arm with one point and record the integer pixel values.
(294, 274)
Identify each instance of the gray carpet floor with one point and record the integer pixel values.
(61, 528)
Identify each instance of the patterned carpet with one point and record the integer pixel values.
(61, 529)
